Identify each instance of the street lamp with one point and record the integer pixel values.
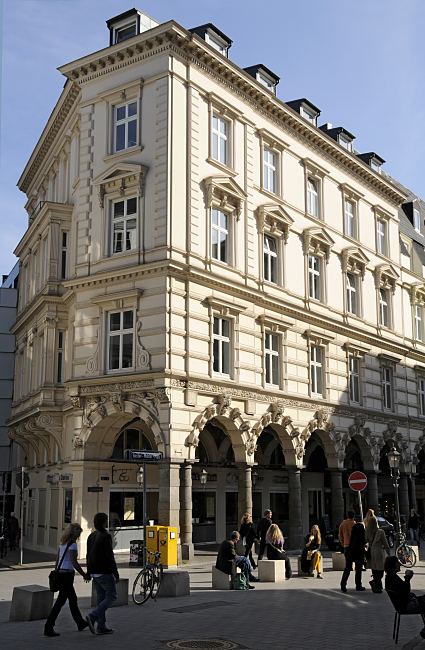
(203, 477)
(254, 478)
(140, 478)
(394, 463)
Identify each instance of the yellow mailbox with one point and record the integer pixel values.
(152, 543)
(167, 545)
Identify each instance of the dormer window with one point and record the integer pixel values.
(124, 32)
(264, 76)
(372, 159)
(128, 24)
(375, 165)
(345, 142)
(308, 115)
(416, 220)
(265, 81)
(214, 37)
(306, 109)
(216, 42)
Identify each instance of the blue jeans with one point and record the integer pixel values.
(245, 566)
(106, 594)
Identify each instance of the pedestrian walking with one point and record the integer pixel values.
(101, 566)
(262, 528)
(248, 536)
(413, 525)
(344, 532)
(67, 564)
(371, 526)
(275, 550)
(355, 552)
(311, 556)
(379, 550)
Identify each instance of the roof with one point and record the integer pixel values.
(335, 131)
(253, 69)
(123, 16)
(297, 103)
(201, 29)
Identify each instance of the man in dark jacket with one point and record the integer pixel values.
(227, 557)
(399, 590)
(355, 553)
(102, 568)
(262, 528)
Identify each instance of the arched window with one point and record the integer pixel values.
(130, 438)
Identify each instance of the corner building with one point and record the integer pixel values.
(208, 274)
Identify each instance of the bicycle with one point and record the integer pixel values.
(148, 581)
(405, 553)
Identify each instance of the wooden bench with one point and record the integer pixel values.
(174, 584)
(122, 593)
(271, 570)
(30, 603)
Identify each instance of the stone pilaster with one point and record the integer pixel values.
(186, 510)
(404, 496)
(337, 499)
(372, 491)
(413, 503)
(245, 491)
(169, 494)
(295, 508)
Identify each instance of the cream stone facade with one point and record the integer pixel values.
(190, 283)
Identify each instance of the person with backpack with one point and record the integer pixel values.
(227, 557)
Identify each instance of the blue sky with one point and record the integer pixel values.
(360, 61)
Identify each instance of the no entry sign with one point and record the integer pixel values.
(357, 481)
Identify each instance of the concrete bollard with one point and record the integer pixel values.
(122, 593)
(174, 583)
(30, 603)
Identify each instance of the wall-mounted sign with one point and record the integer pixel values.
(95, 488)
(143, 455)
(104, 478)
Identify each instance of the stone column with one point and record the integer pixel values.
(169, 497)
(413, 503)
(295, 508)
(244, 491)
(404, 497)
(186, 510)
(372, 491)
(337, 500)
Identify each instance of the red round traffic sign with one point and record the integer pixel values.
(357, 481)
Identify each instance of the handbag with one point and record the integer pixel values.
(309, 555)
(239, 582)
(54, 576)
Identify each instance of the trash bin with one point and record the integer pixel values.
(136, 552)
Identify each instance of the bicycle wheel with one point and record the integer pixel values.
(156, 582)
(142, 586)
(406, 555)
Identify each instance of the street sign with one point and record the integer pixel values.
(357, 481)
(143, 455)
(19, 477)
(95, 488)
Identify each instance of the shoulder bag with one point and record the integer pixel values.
(54, 576)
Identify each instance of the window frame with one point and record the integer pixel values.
(124, 219)
(221, 340)
(384, 304)
(271, 255)
(270, 170)
(315, 276)
(121, 332)
(387, 387)
(382, 236)
(313, 365)
(418, 320)
(269, 354)
(354, 376)
(125, 121)
(219, 229)
(216, 114)
(311, 180)
(352, 290)
(421, 395)
(60, 356)
(416, 218)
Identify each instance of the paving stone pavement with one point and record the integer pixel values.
(299, 614)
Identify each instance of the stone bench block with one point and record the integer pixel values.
(300, 571)
(122, 593)
(30, 603)
(338, 561)
(220, 580)
(174, 583)
(416, 549)
(271, 570)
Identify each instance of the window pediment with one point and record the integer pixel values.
(317, 241)
(317, 337)
(353, 260)
(224, 193)
(385, 277)
(274, 219)
(119, 177)
(417, 294)
(224, 307)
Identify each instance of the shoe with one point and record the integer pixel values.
(90, 624)
(105, 630)
(319, 576)
(254, 579)
(50, 632)
(254, 566)
(83, 626)
(251, 587)
(360, 588)
(343, 589)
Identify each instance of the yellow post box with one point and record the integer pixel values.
(167, 545)
(152, 543)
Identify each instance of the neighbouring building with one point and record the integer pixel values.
(8, 303)
(208, 273)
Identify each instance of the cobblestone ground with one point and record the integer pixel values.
(299, 614)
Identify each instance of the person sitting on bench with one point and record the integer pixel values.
(227, 556)
(403, 599)
(274, 548)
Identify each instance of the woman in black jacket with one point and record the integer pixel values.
(310, 556)
(248, 536)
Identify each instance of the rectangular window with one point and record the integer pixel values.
(219, 236)
(352, 302)
(314, 268)
(60, 357)
(125, 126)
(387, 387)
(312, 197)
(354, 379)
(127, 31)
(345, 142)
(384, 311)
(405, 254)
(270, 170)
(217, 43)
(120, 340)
(416, 220)
(124, 225)
(64, 256)
(419, 336)
(272, 358)
(308, 115)
(316, 369)
(220, 139)
(421, 394)
(381, 236)
(270, 259)
(221, 346)
(349, 215)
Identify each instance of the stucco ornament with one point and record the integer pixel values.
(320, 421)
(275, 414)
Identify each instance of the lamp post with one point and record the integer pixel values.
(394, 463)
(141, 480)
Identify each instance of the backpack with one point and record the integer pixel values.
(239, 582)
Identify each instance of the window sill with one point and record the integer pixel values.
(120, 371)
(271, 195)
(125, 152)
(319, 219)
(223, 167)
(352, 238)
